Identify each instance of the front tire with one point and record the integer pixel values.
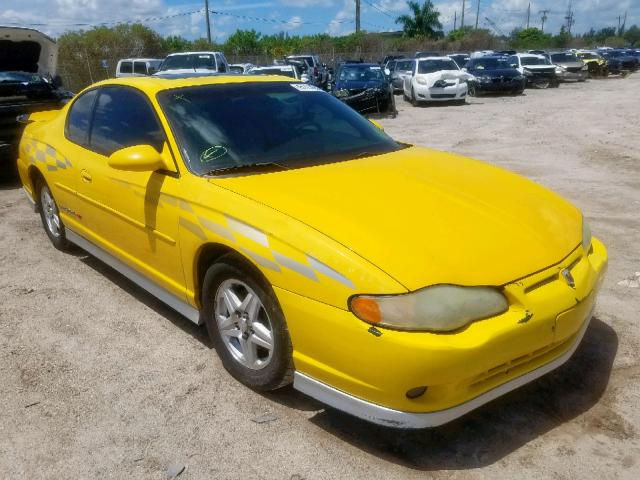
(246, 325)
(50, 216)
(414, 100)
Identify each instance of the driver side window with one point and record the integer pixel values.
(123, 118)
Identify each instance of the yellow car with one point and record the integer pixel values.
(596, 64)
(399, 284)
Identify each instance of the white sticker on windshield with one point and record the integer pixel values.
(374, 68)
(305, 87)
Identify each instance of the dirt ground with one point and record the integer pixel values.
(99, 380)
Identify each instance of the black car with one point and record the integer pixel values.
(619, 62)
(22, 93)
(461, 59)
(494, 74)
(364, 87)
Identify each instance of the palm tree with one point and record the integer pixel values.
(423, 22)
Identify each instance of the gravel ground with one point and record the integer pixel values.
(99, 380)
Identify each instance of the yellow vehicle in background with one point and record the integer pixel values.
(400, 284)
(596, 64)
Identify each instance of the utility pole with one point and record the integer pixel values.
(569, 17)
(477, 14)
(455, 19)
(619, 19)
(528, 14)
(462, 18)
(624, 22)
(206, 17)
(357, 16)
(543, 18)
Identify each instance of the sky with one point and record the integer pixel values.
(299, 17)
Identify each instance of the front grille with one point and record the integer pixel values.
(443, 95)
(574, 69)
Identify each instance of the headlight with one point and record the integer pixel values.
(484, 79)
(559, 69)
(421, 80)
(586, 235)
(342, 93)
(585, 67)
(440, 308)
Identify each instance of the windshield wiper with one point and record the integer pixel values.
(245, 167)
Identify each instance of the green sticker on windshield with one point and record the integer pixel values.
(213, 153)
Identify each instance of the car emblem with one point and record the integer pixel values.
(566, 274)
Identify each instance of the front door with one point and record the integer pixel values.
(131, 214)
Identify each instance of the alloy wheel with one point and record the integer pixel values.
(244, 325)
(50, 211)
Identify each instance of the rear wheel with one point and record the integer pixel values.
(246, 325)
(50, 216)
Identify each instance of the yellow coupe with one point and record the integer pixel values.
(399, 284)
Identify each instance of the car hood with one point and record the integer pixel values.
(426, 217)
(358, 85)
(506, 72)
(571, 64)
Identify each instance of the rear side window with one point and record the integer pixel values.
(79, 118)
(140, 68)
(123, 118)
(125, 67)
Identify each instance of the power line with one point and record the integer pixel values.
(380, 9)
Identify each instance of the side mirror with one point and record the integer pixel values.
(387, 72)
(140, 158)
(464, 69)
(377, 125)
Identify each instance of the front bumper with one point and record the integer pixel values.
(340, 362)
(370, 101)
(573, 76)
(398, 419)
(500, 85)
(441, 94)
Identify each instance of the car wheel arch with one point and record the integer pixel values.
(35, 178)
(210, 254)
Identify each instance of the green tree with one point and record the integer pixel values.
(424, 21)
(563, 39)
(459, 33)
(244, 42)
(632, 35)
(529, 38)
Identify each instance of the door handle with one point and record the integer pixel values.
(86, 176)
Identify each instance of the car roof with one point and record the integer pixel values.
(358, 64)
(208, 52)
(440, 57)
(279, 67)
(154, 84)
(135, 59)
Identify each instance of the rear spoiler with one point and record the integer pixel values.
(37, 116)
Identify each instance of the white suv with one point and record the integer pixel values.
(194, 62)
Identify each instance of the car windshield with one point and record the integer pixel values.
(360, 72)
(431, 66)
(235, 125)
(563, 57)
(287, 72)
(21, 77)
(490, 64)
(534, 61)
(191, 61)
(308, 60)
(236, 69)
